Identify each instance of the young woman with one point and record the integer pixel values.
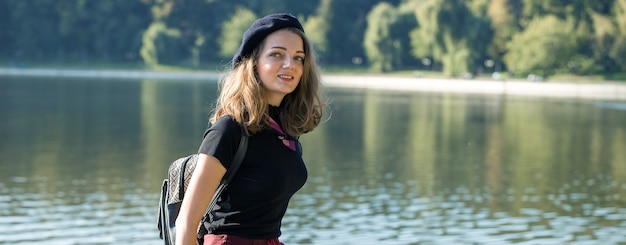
(272, 94)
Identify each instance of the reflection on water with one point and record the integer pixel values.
(82, 163)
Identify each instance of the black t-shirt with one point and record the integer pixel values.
(256, 199)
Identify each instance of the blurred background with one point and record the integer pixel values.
(84, 151)
(454, 38)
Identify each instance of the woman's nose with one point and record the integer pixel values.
(288, 61)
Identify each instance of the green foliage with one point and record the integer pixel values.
(546, 45)
(456, 60)
(233, 29)
(583, 65)
(452, 34)
(618, 52)
(380, 47)
(405, 22)
(159, 44)
(73, 30)
(504, 24)
(347, 24)
(619, 13)
(593, 46)
(316, 28)
(456, 35)
(5, 26)
(386, 37)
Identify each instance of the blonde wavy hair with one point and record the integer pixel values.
(242, 96)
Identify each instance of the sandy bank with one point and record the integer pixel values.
(603, 91)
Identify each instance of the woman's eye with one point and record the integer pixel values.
(275, 55)
(299, 59)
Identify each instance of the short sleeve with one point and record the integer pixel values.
(222, 140)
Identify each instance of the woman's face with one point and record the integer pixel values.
(280, 64)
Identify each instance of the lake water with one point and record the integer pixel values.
(83, 160)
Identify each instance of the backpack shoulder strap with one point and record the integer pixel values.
(230, 172)
(237, 159)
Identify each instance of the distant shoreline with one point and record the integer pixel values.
(601, 91)
(109, 73)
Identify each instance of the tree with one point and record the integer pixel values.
(618, 49)
(619, 12)
(547, 44)
(452, 34)
(594, 46)
(317, 26)
(233, 29)
(504, 24)
(347, 23)
(380, 47)
(199, 24)
(34, 38)
(593, 27)
(5, 25)
(101, 25)
(160, 45)
(386, 36)
(73, 30)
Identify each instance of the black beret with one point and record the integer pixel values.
(260, 29)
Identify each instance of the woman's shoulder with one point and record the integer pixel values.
(227, 125)
(222, 139)
(225, 121)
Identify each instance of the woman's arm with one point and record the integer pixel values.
(205, 179)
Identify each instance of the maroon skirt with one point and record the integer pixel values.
(223, 239)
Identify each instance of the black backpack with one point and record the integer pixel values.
(175, 185)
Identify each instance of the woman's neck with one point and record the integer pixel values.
(275, 100)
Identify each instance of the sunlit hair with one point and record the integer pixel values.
(242, 96)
